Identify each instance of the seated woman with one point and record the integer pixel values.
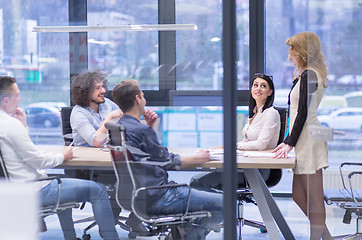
(260, 133)
(262, 130)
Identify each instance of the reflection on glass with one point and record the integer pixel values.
(124, 55)
(336, 23)
(198, 54)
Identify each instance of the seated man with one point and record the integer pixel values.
(92, 109)
(91, 112)
(130, 99)
(25, 162)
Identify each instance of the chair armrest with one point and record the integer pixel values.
(350, 175)
(49, 178)
(138, 190)
(162, 186)
(347, 164)
(351, 163)
(56, 205)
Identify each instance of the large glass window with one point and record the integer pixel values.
(40, 63)
(198, 53)
(124, 54)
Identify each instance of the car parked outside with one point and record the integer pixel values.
(43, 114)
(343, 118)
(354, 99)
(331, 103)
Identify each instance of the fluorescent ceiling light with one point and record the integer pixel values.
(100, 28)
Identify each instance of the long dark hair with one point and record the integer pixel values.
(269, 101)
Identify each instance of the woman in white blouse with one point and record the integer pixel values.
(260, 133)
(262, 130)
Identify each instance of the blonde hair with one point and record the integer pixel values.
(306, 48)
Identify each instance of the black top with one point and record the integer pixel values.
(153, 173)
(308, 85)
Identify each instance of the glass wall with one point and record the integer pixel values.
(123, 54)
(338, 25)
(40, 63)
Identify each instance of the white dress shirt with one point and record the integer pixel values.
(263, 132)
(22, 159)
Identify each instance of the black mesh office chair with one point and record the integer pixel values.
(213, 181)
(347, 198)
(44, 210)
(131, 196)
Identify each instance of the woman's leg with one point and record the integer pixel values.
(79, 190)
(299, 193)
(317, 213)
(308, 194)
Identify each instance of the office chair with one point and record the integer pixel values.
(347, 198)
(213, 181)
(131, 196)
(47, 210)
(65, 123)
(105, 177)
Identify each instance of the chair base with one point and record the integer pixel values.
(255, 224)
(242, 221)
(356, 236)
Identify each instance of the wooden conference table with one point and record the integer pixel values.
(96, 158)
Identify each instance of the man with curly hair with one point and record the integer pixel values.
(92, 109)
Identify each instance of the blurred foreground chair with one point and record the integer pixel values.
(213, 181)
(347, 198)
(131, 196)
(44, 211)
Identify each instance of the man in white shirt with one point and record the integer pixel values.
(25, 163)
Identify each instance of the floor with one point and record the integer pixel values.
(294, 217)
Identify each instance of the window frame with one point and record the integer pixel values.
(167, 49)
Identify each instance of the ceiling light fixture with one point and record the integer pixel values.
(100, 28)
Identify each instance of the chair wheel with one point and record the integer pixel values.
(86, 236)
(132, 235)
(263, 230)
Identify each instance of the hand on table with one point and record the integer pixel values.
(202, 156)
(282, 150)
(68, 153)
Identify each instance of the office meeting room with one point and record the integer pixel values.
(180, 119)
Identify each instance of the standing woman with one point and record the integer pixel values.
(311, 154)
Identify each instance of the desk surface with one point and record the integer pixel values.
(96, 157)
